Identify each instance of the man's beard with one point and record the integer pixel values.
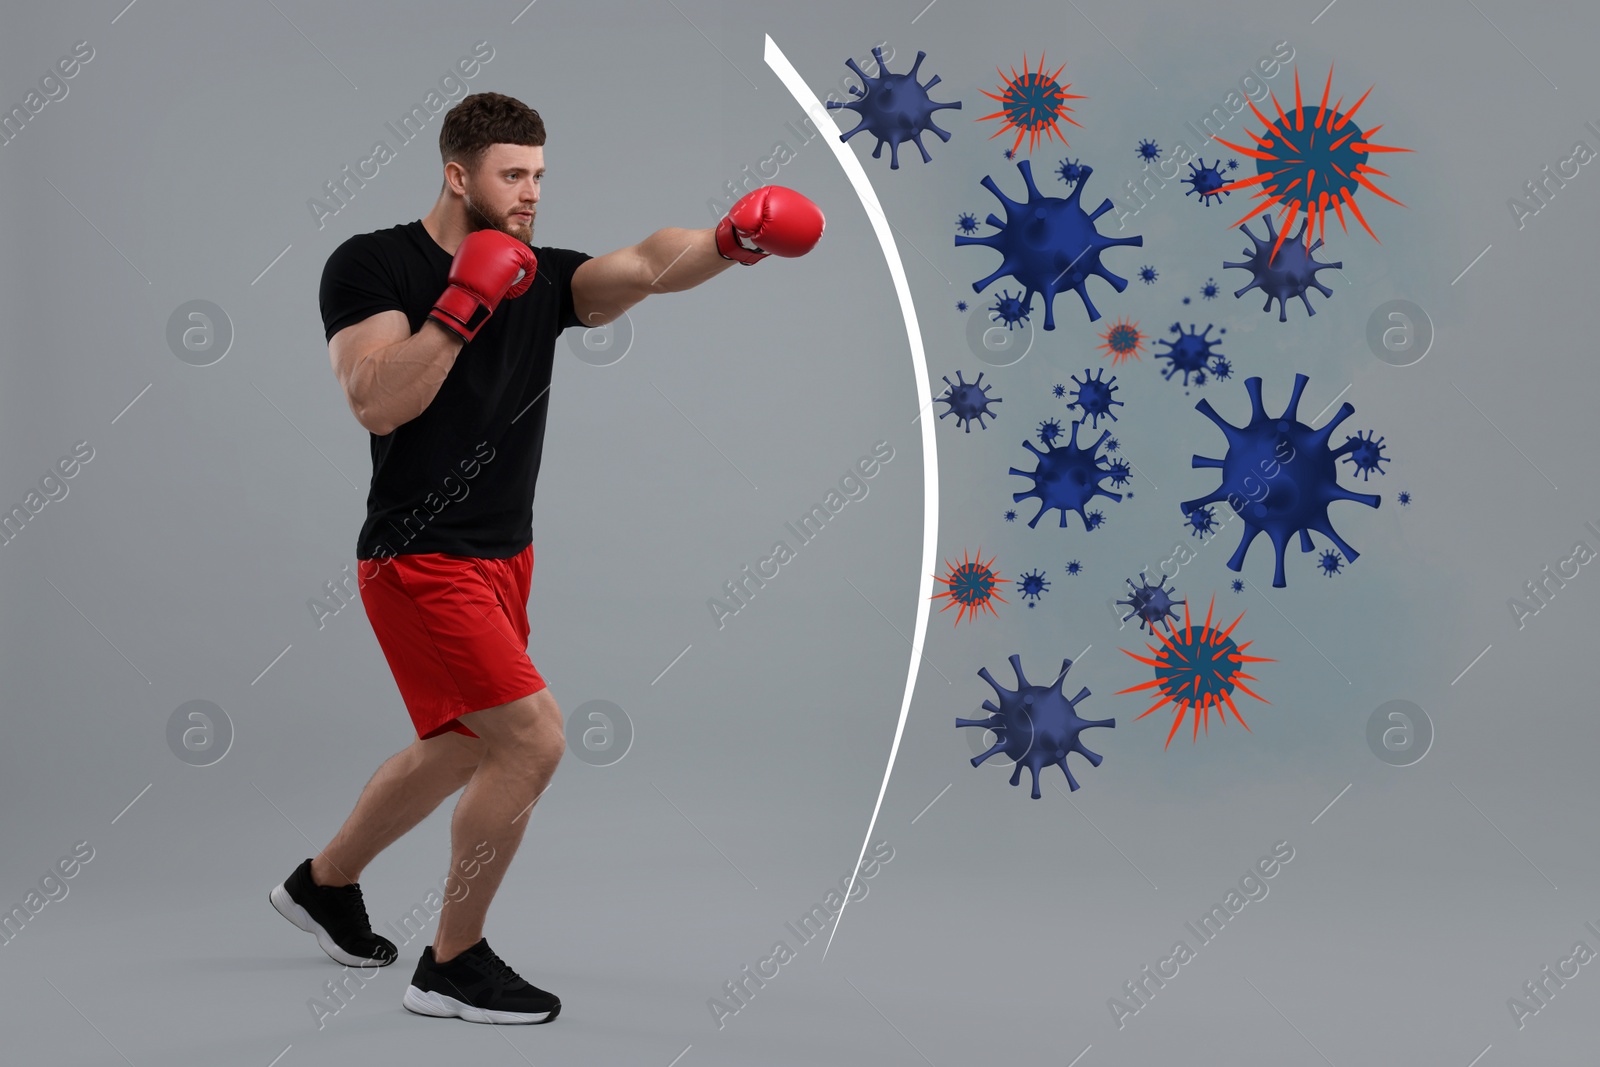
(478, 220)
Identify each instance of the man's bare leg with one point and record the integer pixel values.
(523, 742)
(402, 793)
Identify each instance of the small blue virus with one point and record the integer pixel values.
(1190, 353)
(1282, 268)
(1058, 391)
(1233, 164)
(1049, 430)
(1112, 444)
(1067, 477)
(1330, 563)
(968, 401)
(1367, 455)
(1207, 181)
(1148, 151)
(1148, 275)
(1153, 604)
(1279, 476)
(961, 305)
(1404, 498)
(1048, 244)
(967, 222)
(1009, 153)
(1238, 585)
(1095, 520)
(1202, 521)
(1093, 396)
(1221, 369)
(1011, 514)
(1121, 473)
(1032, 586)
(1036, 725)
(1209, 289)
(1074, 568)
(1009, 310)
(893, 108)
(1071, 171)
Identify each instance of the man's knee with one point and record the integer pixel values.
(529, 729)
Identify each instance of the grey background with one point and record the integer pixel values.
(179, 565)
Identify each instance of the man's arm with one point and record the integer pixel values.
(389, 374)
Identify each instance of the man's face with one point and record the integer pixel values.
(502, 192)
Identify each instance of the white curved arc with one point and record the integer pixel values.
(818, 114)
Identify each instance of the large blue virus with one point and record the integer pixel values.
(1153, 604)
(1049, 244)
(893, 108)
(1036, 725)
(1190, 353)
(1279, 476)
(1093, 396)
(1282, 268)
(968, 401)
(1067, 477)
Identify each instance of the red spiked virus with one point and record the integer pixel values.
(1197, 669)
(1032, 104)
(1310, 160)
(972, 585)
(1122, 340)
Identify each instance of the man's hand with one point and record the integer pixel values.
(772, 220)
(489, 266)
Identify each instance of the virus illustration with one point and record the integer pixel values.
(1011, 515)
(893, 108)
(1202, 521)
(1221, 369)
(1049, 430)
(1067, 477)
(1009, 153)
(1036, 725)
(1071, 171)
(1198, 670)
(1404, 498)
(972, 585)
(968, 401)
(1032, 586)
(967, 222)
(961, 305)
(1330, 563)
(1093, 396)
(1209, 289)
(1121, 472)
(1074, 568)
(1238, 585)
(1282, 273)
(1122, 340)
(1148, 151)
(1151, 603)
(1190, 353)
(1279, 476)
(1049, 244)
(1367, 455)
(1233, 164)
(1009, 310)
(1311, 161)
(1032, 104)
(1207, 181)
(1148, 275)
(1094, 519)
(1112, 445)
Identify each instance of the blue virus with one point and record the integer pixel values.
(1093, 396)
(1202, 521)
(1071, 171)
(1279, 476)
(1036, 725)
(1112, 445)
(1067, 477)
(968, 401)
(1048, 244)
(967, 222)
(1238, 585)
(1095, 520)
(1074, 568)
(1058, 391)
(1190, 353)
(1209, 289)
(1148, 275)
(1032, 586)
(1221, 369)
(961, 305)
(1330, 563)
(1207, 181)
(1282, 268)
(893, 108)
(1153, 604)
(1009, 310)
(1367, 455)
(1009, 153)
(1233, 164)
(1148, 151)
(1121, 473)
(1185, 300)
(1404, 498)
(1049, 430)
(1011, 514)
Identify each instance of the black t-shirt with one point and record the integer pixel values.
(459, 477)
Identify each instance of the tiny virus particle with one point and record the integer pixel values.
(1067, 477)
(1011, 514)
(1330, 563)
(972, 585)
(1190, 353)
(1009, 310)
(968, 401)
(1070, 171)
(1032, 586)
(893, 108)
(1122, 340)
(1148, 275)
(1198, 670)
(1404, 497)
(967, 222)
(1282, 273)
(1221, 369)
(1209, 289)
(1207, 181)
(1199, 378)
(1202, 521)
(1074, 568)
(1049, 244)
(1233, 164)
(1033, 105)
(1049, 430)
(1036, 725)
(1058, 391)
(1093, 396)
(1311, 160)
(1121, 473)
(1151, 603)
(1237, 584)
(1094, 520)
(1112, 444)
(1279, 476)
(1367, 455)
(1148, 151)
(1009, 153)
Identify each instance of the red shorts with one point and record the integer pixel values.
(454, 630)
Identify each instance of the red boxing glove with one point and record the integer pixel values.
(489, 266)
(772, 220)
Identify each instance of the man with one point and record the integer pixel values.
(442, 332)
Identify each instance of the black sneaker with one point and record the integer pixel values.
(337, 915)
(477, 986)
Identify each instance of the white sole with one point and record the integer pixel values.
(285, 905)
(442, 1007)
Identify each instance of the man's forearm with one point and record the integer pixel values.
(681, 259)
(394, 384)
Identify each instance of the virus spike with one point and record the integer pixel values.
(1374, 189)
(1351, 204)
(1348, 115)
(1299, 109)
(1294, 206)
(1323, 107)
